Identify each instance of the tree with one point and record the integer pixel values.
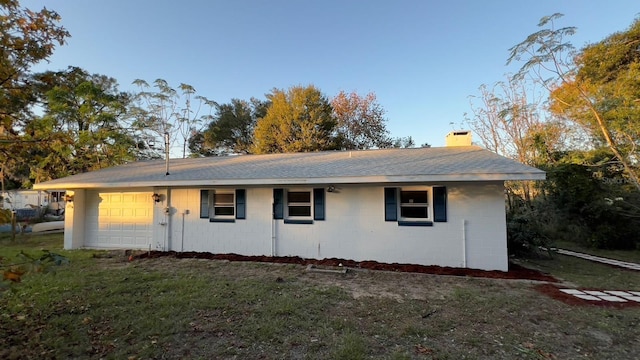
(597, 88)
(231, 130)
(405, 142)
(26, 38)
(591, 204)
(83, 124)
(604, 94)
(167, 112)
(299, 119)
(360, 122)
(508, 119)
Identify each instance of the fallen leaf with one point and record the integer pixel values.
(546, 355)
(420, 349)
(14, 276)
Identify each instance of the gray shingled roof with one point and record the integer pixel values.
(464, 163)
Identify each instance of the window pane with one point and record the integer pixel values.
(223, 210)
(299, 210)
(299, 196)
(419, 212)
(414, 197)
(223, 198)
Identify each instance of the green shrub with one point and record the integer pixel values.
(527, 229)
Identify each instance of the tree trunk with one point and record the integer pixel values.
(13, 225)
(607, 136)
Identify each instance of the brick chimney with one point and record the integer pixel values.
(458, 138)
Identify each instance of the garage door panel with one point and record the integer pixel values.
(142, 213)
(123, 220)
(143, 241)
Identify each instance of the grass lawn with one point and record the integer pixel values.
(102, 306)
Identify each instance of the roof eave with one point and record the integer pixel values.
(537, 175)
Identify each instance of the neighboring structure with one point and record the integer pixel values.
(33, 204)
(432, 206)
(22, 199)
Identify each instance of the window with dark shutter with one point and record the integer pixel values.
(318, 204)
(299, 204)
(223, 205)
(204, 204)
(278, 204)
(415, 205)
(440, 203)
(390, 204)
(241, 204)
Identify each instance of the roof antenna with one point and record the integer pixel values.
(166, 152)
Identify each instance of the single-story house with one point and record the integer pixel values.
(430, 206)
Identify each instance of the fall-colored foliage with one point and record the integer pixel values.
(360, 121)
(299, 119)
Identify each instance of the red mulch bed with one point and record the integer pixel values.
(555, 293)
(515, 271)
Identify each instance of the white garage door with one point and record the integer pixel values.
(119, 220)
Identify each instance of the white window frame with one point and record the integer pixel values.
(429, 205)
(287, 204)
(56, 196)
(212, 201)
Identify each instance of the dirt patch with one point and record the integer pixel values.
(555, 293)
(515, 271)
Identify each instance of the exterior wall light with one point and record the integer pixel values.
(156, 197)
(68, 198)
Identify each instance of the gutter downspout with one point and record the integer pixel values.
(464, 243)
(273, 231)
(182, 240)
(169, 221)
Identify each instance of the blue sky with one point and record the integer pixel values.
(423, 59)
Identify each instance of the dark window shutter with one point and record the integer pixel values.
(440, 204)
(278, 204)
(318, 204)
(390, 204)
(204, 204)
(241, 204)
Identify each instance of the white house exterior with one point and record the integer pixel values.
(429, 206)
